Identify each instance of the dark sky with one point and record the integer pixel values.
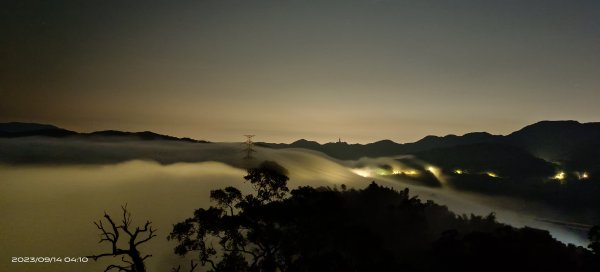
(284, 70)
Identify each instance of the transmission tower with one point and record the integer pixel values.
(249, 144)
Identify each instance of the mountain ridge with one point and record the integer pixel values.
(556, 141)
(21, 129)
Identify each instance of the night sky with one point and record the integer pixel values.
(285, 70)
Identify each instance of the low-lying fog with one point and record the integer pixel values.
(49, 204)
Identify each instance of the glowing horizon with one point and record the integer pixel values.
(361, 70)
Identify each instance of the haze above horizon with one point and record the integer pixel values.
(362, 70)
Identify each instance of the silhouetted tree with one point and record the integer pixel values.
(373, 229)
(269, 180)
(244, 235)
(130, 255)
(594, 236)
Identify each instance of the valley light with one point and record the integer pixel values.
(437, 173)
(411, 173)
(583, 175)
(560, 176)
(408, 172)
(458, 171)
(492, 174)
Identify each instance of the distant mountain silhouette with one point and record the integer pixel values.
(302, 143)
(343, 150)
(144, 135)
(16, 129)
(431, 142)
(568, 142)
(501, 159)
(554, 140)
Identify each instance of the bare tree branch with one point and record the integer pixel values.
(147, 228)
(125, 260)
(135, 261)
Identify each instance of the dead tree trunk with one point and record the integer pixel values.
(132, 259)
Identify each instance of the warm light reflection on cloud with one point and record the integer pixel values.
(362, 172)
(492, 174)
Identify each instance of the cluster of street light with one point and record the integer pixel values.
(560, 176)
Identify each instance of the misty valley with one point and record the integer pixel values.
(299, 136)
(458, 202)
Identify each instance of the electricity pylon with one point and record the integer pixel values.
(249, 144)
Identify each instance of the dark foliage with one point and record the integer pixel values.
(594, 237)
(374, 229)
